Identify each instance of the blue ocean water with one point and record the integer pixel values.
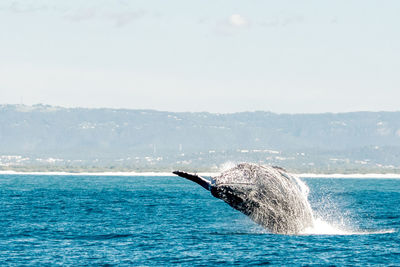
(110, 220)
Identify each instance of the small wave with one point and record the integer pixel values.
(240, 233)
(322, 227)
(100, 237)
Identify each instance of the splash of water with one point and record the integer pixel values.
(226, 166)
(321, 225)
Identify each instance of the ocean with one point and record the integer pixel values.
(51, 220)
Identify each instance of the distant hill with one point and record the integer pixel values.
(44, 136)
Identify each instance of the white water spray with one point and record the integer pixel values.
(226, 166)
(323, 226)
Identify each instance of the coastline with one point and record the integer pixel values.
(351, 175)
(149, 174)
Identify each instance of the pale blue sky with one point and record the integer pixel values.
(208, 55)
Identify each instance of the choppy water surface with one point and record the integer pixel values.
(95, 220)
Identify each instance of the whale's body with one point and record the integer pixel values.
(268, 195)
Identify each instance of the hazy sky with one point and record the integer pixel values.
(203, 55)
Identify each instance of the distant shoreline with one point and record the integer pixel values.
(147, 174)
(352, 175)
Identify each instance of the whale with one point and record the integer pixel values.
(268, 195)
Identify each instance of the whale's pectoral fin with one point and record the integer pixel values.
(195, 178)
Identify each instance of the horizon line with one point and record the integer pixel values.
(216, 113)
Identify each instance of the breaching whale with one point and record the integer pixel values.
(268, 195)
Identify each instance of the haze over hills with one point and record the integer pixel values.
(45, 137)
